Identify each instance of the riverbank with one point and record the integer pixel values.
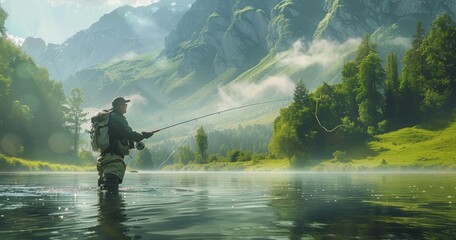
(425, 147)
(13, 164)
(430, 146)
(259, 165)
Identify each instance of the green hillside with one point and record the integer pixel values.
(430, 146)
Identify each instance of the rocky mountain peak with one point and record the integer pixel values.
(120, 34)
(352, 18)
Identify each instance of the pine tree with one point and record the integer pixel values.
(439, 49)
(202, 143)
(415, 68)
(391, 88)
(76, 116)
(371, 77)
(365, 48)
(350, 88)
(301, 94)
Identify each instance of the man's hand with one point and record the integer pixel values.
(147, 134)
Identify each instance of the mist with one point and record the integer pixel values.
(321, 52)
(272, 88)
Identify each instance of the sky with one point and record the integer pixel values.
(56, 20)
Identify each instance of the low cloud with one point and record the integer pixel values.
(126, 56)
(272, 88)
(403, 42)
(321, 52)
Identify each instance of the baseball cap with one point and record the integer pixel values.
(119, 101)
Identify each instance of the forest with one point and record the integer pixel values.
(37, 120)
(372, 98)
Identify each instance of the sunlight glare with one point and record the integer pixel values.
(11, 144)
(59, 143)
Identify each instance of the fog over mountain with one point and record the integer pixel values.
(220, 52)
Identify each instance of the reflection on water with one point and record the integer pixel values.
(161, 205)
(111, 218)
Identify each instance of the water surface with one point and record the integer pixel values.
(163, 205)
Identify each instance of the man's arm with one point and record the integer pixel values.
(121, 126)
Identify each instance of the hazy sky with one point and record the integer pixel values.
(56, 20)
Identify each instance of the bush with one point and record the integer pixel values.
(212, 158)
(233, 155)
(340, 156)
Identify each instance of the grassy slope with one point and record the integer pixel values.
(18, 164)
(260, 165)
(429, 146)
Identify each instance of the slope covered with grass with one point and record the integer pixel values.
(428, 146)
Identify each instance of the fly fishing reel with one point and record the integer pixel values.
(140, 145)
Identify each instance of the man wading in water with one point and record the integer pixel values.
(110, 164)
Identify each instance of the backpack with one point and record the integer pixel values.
(99, 137)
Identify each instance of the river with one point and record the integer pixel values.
(229, 205)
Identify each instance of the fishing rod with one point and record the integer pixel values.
(219, 112)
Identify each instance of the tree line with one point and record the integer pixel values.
(244, 143)
(371, 98)
(37, 120)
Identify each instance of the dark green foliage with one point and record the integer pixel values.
(251, 142)
(75, 116)
(184, 155)
(201, 144)
(439, 49)
(144, 159)
(370, 100)
(413, 78)
(349, 89)
(371, 78)
(428, 77)
(253, 138)
(31, 107)
(301, 93)
(161, 154)
(392, 88)
(3, 16)
(365, 48)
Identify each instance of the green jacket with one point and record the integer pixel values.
(120, 132)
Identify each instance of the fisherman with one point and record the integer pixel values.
(110, 164)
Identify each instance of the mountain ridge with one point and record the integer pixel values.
(220, 45)
(120, 34)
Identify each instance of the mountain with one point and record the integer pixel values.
(229, 52)
(238, 34)
(353, 18)
(121, 34)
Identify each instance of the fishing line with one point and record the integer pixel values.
(180, 144)
(204, 116)
(219, 112)
(318, 120)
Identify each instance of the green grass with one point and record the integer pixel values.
(18, 164)
(259, 165)
(428, 146)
